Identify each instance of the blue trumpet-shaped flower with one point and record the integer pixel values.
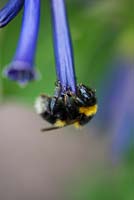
(118, 107)
(10, 10)
(124, 113)
(63, 46)
(21, 68)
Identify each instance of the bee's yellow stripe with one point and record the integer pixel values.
(89, 111)
(76, 124)
(60, 123)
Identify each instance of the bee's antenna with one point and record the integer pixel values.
(50, 128)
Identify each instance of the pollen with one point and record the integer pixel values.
(88, 111)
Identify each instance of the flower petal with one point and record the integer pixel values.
(20, 72)
(10, 10)
(21, 68)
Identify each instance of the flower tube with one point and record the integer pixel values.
(122, 117)
(10, 10)
(117, 108)
(21, 68)
(63, 46)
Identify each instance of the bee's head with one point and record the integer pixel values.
(87, 95)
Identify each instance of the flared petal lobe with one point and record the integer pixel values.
(10, 10)
(21, 68)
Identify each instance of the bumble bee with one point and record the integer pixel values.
(67, 108)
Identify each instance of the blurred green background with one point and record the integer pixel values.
(101, 30)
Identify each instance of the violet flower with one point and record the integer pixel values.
(119, 109)
(63, 46)
(124, 112)
(10, 10)
(21, 68)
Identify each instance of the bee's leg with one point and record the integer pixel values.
(53, 102)
(50, 128)
(57, 89)
(71, 108)
(79, 101)
(65, 99)
(75, 98)
(55, 97)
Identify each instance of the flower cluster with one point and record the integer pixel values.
(69, 96)
(21, 69)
